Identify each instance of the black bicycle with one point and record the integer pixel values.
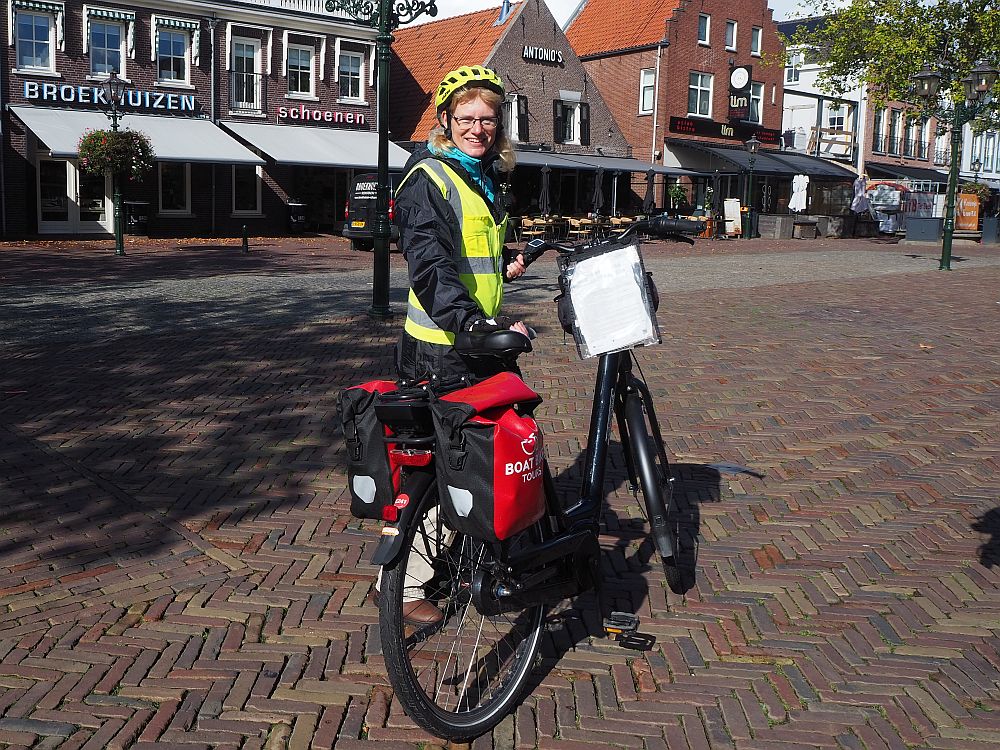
(459, 677)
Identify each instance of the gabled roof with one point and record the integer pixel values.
(424, 53)
(609, 25)
(790, 26)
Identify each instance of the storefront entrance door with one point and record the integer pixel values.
(71, 201)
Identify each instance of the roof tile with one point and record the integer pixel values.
(424, 53)
(608, 25)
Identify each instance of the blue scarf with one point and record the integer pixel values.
(471, 164)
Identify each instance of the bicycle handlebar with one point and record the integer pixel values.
(662, 227)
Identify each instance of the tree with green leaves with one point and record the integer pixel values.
(881, 44)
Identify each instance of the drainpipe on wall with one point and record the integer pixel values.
(212, 23)
(656, 100)
(3, 165)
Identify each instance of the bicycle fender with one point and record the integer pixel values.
(409, 499)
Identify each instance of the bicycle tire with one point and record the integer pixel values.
(430, 667)
(653, 468)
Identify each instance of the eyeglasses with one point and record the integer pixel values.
(488, 123)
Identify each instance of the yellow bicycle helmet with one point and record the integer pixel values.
(474, 75)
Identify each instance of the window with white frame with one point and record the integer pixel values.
(349, 74)
(756, 102)
(989, 151)
(700, 94)
(836, 117)
(647, 84)
(756, 37)
(878, 131)
(106, 48)
(171, 55)
(794, 64)
(246, 189)
(175, 187)
(300, 70)
(571, 122)
(515, 117)
(895, 128)
(704, 28)
(35, 40)
(731, 36)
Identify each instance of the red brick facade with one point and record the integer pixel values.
(211, 201)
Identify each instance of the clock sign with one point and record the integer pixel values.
(739, 78)
(739, 93)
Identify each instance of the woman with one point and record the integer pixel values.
(452, 224)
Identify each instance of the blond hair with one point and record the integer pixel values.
(438, 141)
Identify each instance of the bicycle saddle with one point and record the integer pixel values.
(495, 343)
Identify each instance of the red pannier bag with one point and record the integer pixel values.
(372, 478)
(490, 462)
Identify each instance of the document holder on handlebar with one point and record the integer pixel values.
(607, 300)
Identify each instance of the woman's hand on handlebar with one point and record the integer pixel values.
(516, 268)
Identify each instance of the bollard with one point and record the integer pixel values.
(246, 242)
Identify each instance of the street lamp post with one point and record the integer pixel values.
(384, 15)
(752, 146)
(977, 85)
(113, 89)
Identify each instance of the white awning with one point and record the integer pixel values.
(183, 139)
(318, 147)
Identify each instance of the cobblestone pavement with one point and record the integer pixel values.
(178, 567)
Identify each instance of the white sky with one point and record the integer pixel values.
(562, 9)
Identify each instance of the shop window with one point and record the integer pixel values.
(700, 95)
(756, 35)
(35, 41)
(175, 188)
(571, 122)
(731, 27)
(246, 189)
(704, 28)
(647, 86)
(300, 70)
(756, 102)
(106, 48)
(515, 117)
(349, 72)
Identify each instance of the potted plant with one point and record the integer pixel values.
(124, 153)
(677, 195)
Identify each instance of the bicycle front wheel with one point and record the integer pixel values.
(657, 490)
(460, 677)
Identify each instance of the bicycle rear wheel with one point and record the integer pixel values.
(653, 469)
(459, 678)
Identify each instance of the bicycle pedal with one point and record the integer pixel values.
(621, 623)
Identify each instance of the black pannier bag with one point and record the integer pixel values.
(371, 478)
(489, 458)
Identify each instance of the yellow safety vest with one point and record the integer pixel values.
(479, 258)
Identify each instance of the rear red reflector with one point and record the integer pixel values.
(410, 457)
(390, 513)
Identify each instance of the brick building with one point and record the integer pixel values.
(554, 114)
(689, 82)
(250, 105)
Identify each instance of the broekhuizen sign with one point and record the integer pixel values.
(133, 98)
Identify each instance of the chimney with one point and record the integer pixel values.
(504, 14)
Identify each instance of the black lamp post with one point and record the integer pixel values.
(113, 88)
(752, 146)
(384, 15)
(976, 167)
(977, 85)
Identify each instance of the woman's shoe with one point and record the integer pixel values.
(419, 612)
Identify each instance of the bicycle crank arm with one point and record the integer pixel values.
(407, 502)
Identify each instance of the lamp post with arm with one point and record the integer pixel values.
(384, 15)
(752, 146)
(113, 88)
(977, 87)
